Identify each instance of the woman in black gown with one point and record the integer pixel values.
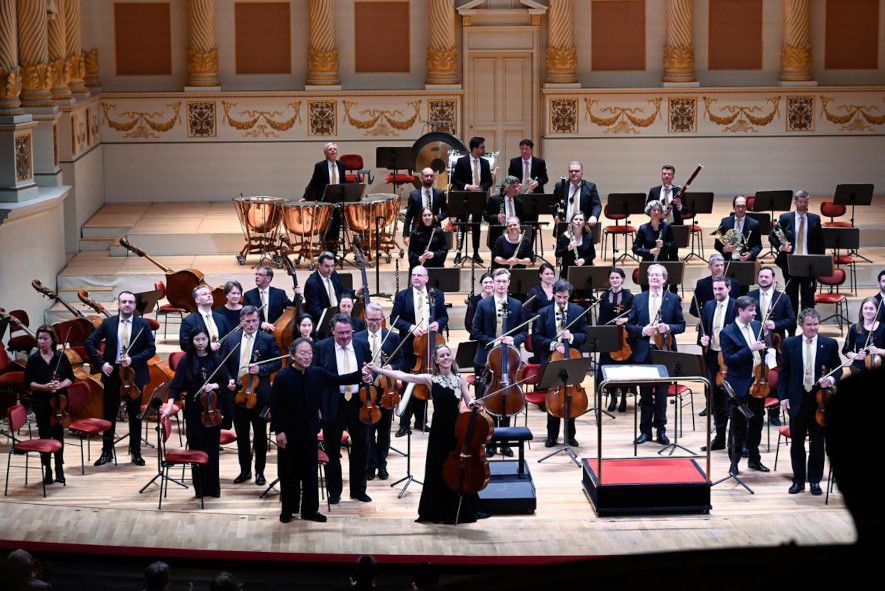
(439, 504)
(427, 243)
(512, 249)
(859, 332)
(543, 292)
(48, 373)
(487, 287)
(574, 248)
(192, 371)
(613, 302)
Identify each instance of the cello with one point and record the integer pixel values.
(567, 402)
(285, 327)
(466, 469)
(84, 324)
(423, 347)
(502, 367)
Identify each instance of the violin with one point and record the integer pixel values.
(822, 397)
(128, 388)
(58, 402)
(625, 351)
(370, 412)
(466, 469)
(390, 396)
(246, 396)
(423, 347)
(566, 402)
(663, 342)
(210, 415)
(760, 387)
(502, 366)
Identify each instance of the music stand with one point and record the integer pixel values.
(465, 353)
(338, 195)
(744, 410)
(626, 204)
(697, 203)
(588, 279)
(679, 365)
(346, 281)
(521, 281)
(844, 239)
(534, 204)
(463, 205)
(744, 272)
(447, 280)
(395, 158)
(854, 195)
(680, 239)
(561, 374)
(601, 339)
(146, 301)
(810, 265)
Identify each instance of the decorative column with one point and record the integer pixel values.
(679, 47)
(10, 73)
(90, 64)
(55, 27)
(442, 55)
(796, 52)
(202, 50)
(33, 50)
(322, 53)
(562, 55)
(73, 47)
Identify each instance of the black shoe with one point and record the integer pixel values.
(383, 474)
(622, 407)
(490, 452)
(481, 515)
(59, 475)
(402, 432)
(815, 489)
(612, 404)
(361, 497)
(573, 442)
(259, 479)
(643, 437)
(703, 413)
(243, 477)
(477, 259)
(550, 442)
(318, 517)
(47, 476)
(758, 466)
(138, 460)
(733, 470)
(774, 421)
(662, 438)
(715, 445)
(106, 457)
(370, 475)
(506, 451)
(424, 429)
(334, 500)
(797, 487)
(285, 517)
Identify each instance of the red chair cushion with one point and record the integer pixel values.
(322, 457)
(399, 179)
(227, 436)
(677, 389)
(152, 323)
(174, 358)
(771, 402)
(12, 378)
(170, 309)
(832, 210)
(620, 229)
(531, 372)
(187, 456)
(353, 178)
(21, 342)
(837, 225)
(784, 431)
(47, 446)
(828, 298)
(536, 397)
(696, 228)
(837, 278)
(90, 426)
(844, 259)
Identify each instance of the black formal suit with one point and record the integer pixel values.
(541, 301)
(379, 433)
(141, 349)
(719, 406)
(418, 244)
(879, 306)
(316, 299)
(740, 361)
(341, 415)
(670, 314)
(803, 404)
(544, 331)
(277, 302)
(586, 250)
(783, 315)
(751, 233)
(538, 171)
(404, 313)
(799, 286)
(195, 321)
(295, 412)
(315, 189)
(265, 347)
(493, 208)
(589, 202)
(654, 194)
(462, 175)
(703, 293)
(416, 204)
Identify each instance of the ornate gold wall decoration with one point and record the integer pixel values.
(23, 170)
(796, 58)
(90, 63)
(202, 62)
(442, 60)
(322, 61)
(382, 121)
(261, 123)
(10, 83)
(679, 58)
(142, 124)
(201, 119)
(851, 117)
(564, 116)
(622, 119)
(322, 118)
(38, 77)
(79, 131)
(741, 118)
(683, 115)
(800, 113)
(92, 123)
(443, 116)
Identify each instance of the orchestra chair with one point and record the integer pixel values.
(678, 392)
(531, 372)
(848, 260)
(771, 402)
(782, 432)
(17, 415)
(696, 233)
(345, 441)
(322, 461)
(354, 169)
(167, 309)
(626, 230)
(84, 428)
(12, 381)
(834, 210)
(171, 458)
(19, 340)
(832, 296)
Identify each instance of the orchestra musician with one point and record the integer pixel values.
(548, 335)
(345, 306)
(577, 195)
(494, 317)
(501, 207)
(803, 231)
(803, 360)
(205, 319)
(856, 347)
(654, 311)
(328, 171)
(323, 287)
(426, 197)
(750, 244)
(527, 168)
(195, 377)
(880, 279)
(341, 354)
(233, 295)
(377, 339)
(574, 247)
(654, 239)
(270, 301)
(716, 314)
(666, 193)
(417, 310)
(128, 342)
(513, 249)
(248, 346)
(612, 303)
(742, 350)
(543, 292)
(472, 172)
(48, 374)
(703, 289)
(487, 287)
(427, 243)
(304, 327)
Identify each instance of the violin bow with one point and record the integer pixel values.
(384, 340)
(215, 371)
(512, 330)
(63, 347)
(132, 342)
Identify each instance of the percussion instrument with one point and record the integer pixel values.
(259, 218)
(361, 217)
(305, 222)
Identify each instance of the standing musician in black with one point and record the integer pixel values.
(866, 336)
(427, 243)
(654, 239)
(377, 339)
(128, 342)
(549, 333)
(880, 280)
(323, 287)
(501, 207)
(747, 243)
(666, 193)
(345, 306)
(716, 314)
(513, 249)
(487, 288)
(426, 197)
(543, 291)
(577, 195)
(574, 247)
(494, 317)
(270, 301)
(472, 172)
(48, 374)
(195, 377)
(612, 303)
(654, 311)
(742, 350)
(527, 168)
(703, 289)
(329, 171)
(212, 323)
(803, 360)
(249, 346)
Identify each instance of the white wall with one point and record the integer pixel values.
(85, 175)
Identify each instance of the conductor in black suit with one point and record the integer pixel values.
(323, 287)
(527, 168)
(419, 199)
(748, 247)
(802, 230)
(473, 173)
(502, 206)
(577, 194)
(329, 171)
(270, 301)
(666, 193)
(204, 319)
(128, 342)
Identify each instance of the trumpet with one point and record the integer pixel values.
(528, 186)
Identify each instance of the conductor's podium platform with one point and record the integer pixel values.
(510, 489)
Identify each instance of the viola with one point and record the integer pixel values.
(210, 415)
(822, 397)
(370, 412)
(390, 396)
(566, 402)
(128, 388)
(59, 415)
(663, 342)
(760, 387)
(466, 469)
(246, 396)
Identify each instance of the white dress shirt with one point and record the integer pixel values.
(127, 322)
(345, 360)
(421, 301)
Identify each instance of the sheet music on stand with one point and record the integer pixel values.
(629, 372)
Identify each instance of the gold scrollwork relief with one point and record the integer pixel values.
(622, 119)
(142, 124)
(741, 118)
(10, 83)
(23, 171)
(564, 116)
(382, 121)
(851, 117)
(261, 123)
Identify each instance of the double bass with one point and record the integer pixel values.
(81, 324)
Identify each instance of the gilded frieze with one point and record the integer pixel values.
(142, 124)
(381, 122)
(201, 119)
(741, 118)
(322, 119)
(255, 123)
(443, 115)
(800, 113)
(851, 117)
(683, 115)
(616, 119)
(23, 169)
(564, 116)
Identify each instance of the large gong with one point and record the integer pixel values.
(438, 151)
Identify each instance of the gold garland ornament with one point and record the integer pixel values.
(740, 117)
(849, 113)
(141, 124)
(380, 121)
(622, 118)
(263, 122)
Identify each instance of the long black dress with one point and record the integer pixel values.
(439, 504)
(856, 340)
(39, 371)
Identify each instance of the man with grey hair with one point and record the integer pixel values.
(328, 171)
(703, 289)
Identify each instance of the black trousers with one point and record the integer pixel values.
(802, 425)
(719, 406)
(746, 432)
(226, 406)
(553, 427)
(653, 408)
(45, 430)
(244, 418)
(297, 471)
(111, 408)
(207, 439)
(348, 419)
(474, 229)
(800, 287)
(379, 441)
